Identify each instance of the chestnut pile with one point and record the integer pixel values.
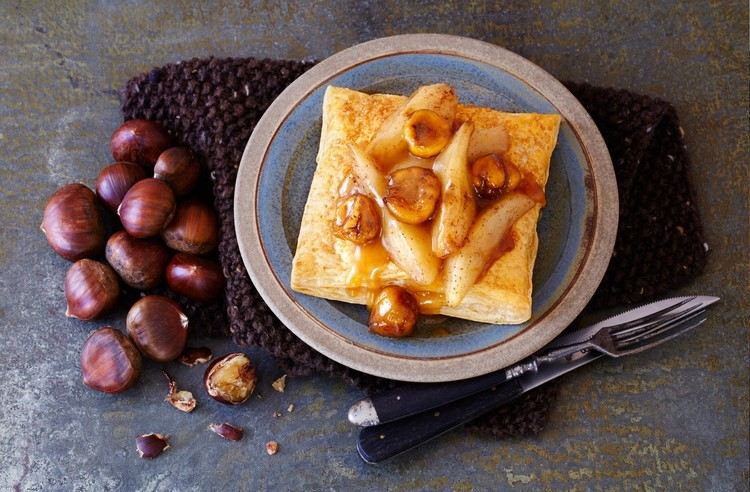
(166, 236)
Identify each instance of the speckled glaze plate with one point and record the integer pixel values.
(576, 231)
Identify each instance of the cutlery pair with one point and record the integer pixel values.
(403, 418)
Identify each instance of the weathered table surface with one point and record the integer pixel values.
(672, 418)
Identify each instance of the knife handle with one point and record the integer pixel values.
(380, 442)
(413, 398)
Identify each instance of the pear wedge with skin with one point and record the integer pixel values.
(457, 207)
(463, 268)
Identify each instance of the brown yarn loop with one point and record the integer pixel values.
(212, 105)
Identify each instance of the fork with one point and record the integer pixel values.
(379, 442)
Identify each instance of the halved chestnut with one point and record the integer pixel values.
(427, 133)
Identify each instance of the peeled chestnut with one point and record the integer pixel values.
(140, 141)
(412, 194)
(394, 312)
(140, 263)
(158, 328)
(179, 168)
(193, 229)
(73, 224)
(492, 175)
(147, 207)
(115, 180)
(357, 219)
(91, 289)
(230, 379)
(194, 277)
(109, 361)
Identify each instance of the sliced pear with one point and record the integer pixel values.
(409, 246)
(388, 146)
(457, 208)
(488, 141)
(463, 268)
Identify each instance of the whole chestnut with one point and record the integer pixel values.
(394, 312)
(193, 229)
(91, 289)
(72, 223)
(194, 277)
(179, 167)
(115, 180)
(109, 361)
(230, 379)
(140, 141)
(140, 263)
(158, 327)
(147, 207)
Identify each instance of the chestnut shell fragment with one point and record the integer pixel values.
(227, 431)
(151, 445)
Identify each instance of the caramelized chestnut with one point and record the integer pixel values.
(91, 289)
(493, 175)
(140, 141)
(194, 228)
(230, 379)
(109, 361)
(147, 208)
(194, 277)
(357, 219)
(412, 193)
(158, 328)
(427, 133)
(72, 223)
(115, 180)
(140, 263)
(179, 168)
(394, 313)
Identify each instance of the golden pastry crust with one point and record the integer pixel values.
(323, 262)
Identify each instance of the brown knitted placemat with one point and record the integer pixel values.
(212, 105)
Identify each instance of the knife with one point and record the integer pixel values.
(571, 351)
(412, 398)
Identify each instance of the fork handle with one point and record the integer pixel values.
(380, 442)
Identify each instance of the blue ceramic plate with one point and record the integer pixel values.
(576, 230)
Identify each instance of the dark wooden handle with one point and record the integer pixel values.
(380, 442)
(412, 398)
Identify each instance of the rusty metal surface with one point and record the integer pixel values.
(674, 418)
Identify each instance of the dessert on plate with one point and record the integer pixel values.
(422, 205)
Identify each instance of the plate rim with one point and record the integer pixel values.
(560, 314)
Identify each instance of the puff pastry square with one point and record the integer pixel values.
(322, 261)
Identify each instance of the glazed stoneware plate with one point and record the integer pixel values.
(576, 231)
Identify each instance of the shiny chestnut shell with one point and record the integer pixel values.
(195, 277)
(140, 141)
(140, 263)
(230, 379)
(115, 180)
(109, 361)
(193, 229)
(158, 327)
(147, 207)
(91, 289)
(73, 224)
(180, 168)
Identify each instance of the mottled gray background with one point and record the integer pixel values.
(674, 418)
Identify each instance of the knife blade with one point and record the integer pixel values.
(412, 398)
(379, 442)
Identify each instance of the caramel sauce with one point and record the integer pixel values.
(370, 260)
(506, 244)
